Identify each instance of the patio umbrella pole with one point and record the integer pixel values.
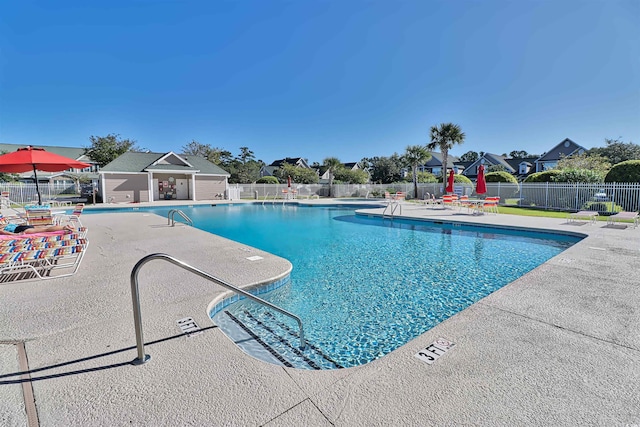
(35, 175)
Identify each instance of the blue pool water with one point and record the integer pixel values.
(364, 286)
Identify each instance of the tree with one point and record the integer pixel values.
(444, 137)
(594, 163)
(332, 164)
(349, 176)
(220, 157)
(414, 156)
(617, 151)
(469, 156)
(246, 154)
(385, 170)
(521, 154)
(424, 177)
(105, 149)
(194, 148)
(297, 174)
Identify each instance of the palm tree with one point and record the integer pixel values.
(414, 156)
(444, 137)
(332, 164)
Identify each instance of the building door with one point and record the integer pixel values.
(182, 189)
(156, 192)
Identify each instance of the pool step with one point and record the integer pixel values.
(281, 341)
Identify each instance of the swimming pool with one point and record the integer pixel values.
(364, 286)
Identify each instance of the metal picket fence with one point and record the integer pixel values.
(601, 197)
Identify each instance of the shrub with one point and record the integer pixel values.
(500, 176)
(628, 171)
(458, 179)
(578, 175)
(601, 207)
(268, 180)
(544, 176)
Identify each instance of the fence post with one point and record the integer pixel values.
(499, 190)
(520, 184)
(546, 196)
(577, 186)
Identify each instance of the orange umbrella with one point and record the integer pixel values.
(30, 158)
(449, 188)
(481, 184)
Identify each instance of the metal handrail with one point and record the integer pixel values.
(265, 198)
(172, 222)
(137, 314)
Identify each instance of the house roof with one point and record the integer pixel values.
(71, 152)
(565, 148)
(141, 162)
(436, 160)
(295, 161)
(490, 159)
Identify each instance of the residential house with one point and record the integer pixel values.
(434, 164)
(143, 177)
(519, 167)
(294, 161)
(565, 148)
(324, 172)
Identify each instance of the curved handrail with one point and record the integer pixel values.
(172, 222)
(137, 314)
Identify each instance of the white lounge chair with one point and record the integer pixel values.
(624, 216)
(591, 216)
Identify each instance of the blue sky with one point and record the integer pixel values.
(320, 78)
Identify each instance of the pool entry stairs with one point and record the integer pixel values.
(263, 335)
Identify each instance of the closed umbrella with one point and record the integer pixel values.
(30, 158)
(481, 184)
(449, 188)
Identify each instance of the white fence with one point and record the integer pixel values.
(26, 193)
(602, 197)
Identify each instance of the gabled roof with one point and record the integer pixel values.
(436, 160)
(565, 148)
(141, 162)
(489, 159)
(71, 152)
(294, 161)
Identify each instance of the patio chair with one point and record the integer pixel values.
(463, 202)
(448, 200)
(39, 216)
(73, 218)
(624, 216)
(38, 261)
(490, 205)
(590, 216)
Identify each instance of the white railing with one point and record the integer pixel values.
(602, 197)
(27, 193)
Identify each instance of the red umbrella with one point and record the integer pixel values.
(481, 184)
(449, 188)
(289, 181)
(30, 158)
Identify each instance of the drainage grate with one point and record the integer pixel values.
(189, 326)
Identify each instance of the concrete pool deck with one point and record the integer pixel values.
(559, 346)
